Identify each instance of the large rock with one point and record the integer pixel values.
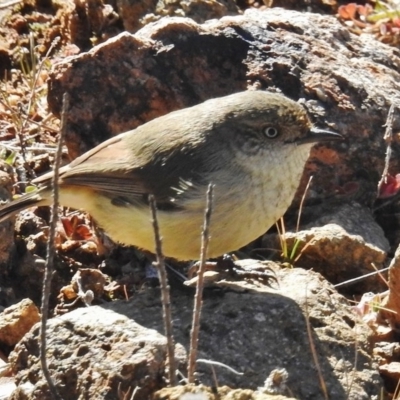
(341, 242)
(135, 14)
(304, 326)
(94, 354)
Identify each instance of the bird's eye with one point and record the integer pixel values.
(270, 132)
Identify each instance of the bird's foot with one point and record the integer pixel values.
(226, 269)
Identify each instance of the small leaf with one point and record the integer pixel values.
(10, 160)
(30, 189)
(348, 11)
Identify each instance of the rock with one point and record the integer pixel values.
(341, 243)
(321, 6)
(135, 15)
(7, 386)
(391, 375)
(29, 269)
(257, 331)
(386, 352)
(254, 332)
(206, 393)
(16, 321)
(92, 353)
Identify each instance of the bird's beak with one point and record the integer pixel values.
(319, 135)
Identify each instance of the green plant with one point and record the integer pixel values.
(291, 255)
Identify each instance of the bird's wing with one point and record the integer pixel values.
(129, 175)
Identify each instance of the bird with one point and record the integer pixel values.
(252, 146)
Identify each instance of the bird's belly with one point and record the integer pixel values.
(231, 226)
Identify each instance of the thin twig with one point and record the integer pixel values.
(165, 295)
(281, 234)
(303, 249)
(302, 202)
(314, 352)
(31, 149)
(198, 300)
(219, 364)
(388, 137)
(359, 278)
(51, 251)
(378, 271)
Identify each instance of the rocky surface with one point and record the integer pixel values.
(17, 320)
(224, 393)
(302, 326)
(93, 353)
(135, 14)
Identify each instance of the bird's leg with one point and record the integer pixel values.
(228, 268)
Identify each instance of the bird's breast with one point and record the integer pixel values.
(250, 201)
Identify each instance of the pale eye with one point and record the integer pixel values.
(270, 132)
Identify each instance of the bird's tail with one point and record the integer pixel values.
(36, 198)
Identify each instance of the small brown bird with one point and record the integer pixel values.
(251, 145)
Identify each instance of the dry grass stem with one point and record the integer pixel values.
(379, 272)
(198, 300)
(165, 292)
(388, 137)
(302, 202)
(126, 396)
(303, 249)
(359, 278)
(314, 353)
(51, 251)
(280, 226)
(219, 364)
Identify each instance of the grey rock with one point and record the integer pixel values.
(341, 242)
(92, 351)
